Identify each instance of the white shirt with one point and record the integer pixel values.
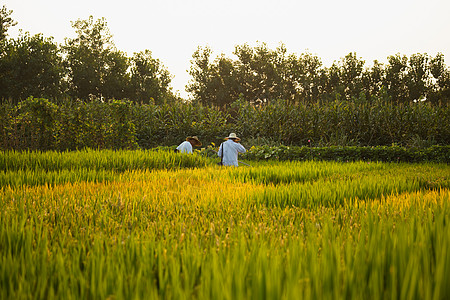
(230, 151)
(185, 147)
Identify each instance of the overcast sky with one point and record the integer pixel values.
(173, 29)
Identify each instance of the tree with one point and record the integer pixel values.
(344, 78)
(224, 85)
(351, 75)
(258, 76)
(308, 76)
(440, 87)
(372, 79)
(94, 65)
(5, 22)
(116, 79)
(213, 83)
(31, 66)
(333, 81)
(149, 79)
(396, 78)
(261, 72)
(200, 71)
(418, 76)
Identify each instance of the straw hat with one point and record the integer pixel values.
(233, 137)
(195, 140)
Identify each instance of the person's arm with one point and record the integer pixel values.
(240, 148)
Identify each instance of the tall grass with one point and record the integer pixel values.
(51, 167)
(98, 160)
(334, 231)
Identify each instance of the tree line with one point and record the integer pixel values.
(260, 74)
(85, 67)
(90, 67)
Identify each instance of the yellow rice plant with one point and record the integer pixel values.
(332, 231)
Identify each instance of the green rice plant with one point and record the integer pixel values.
(97, 160)
(290, 172)
(332, 231)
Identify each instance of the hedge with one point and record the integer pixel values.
(438, 154)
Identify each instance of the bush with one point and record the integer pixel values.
(438, 154)
(31, 124)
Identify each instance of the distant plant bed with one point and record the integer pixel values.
(439, 154)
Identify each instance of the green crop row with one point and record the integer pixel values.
(103, 160)
(277, 230)
(50, 167)
(38, 124)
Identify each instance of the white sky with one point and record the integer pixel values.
(173, 29)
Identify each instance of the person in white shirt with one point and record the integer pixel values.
(188, 144)
(230, 150)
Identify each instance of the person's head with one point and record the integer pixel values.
(233, 137)
(195, 142)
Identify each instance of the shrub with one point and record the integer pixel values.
(439, 154)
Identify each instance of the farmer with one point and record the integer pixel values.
(186, 146)
(230, 149)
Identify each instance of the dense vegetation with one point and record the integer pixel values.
(261, 75)
(88, 211)
(439, 154)
(268, 97)
(89, 66)
(85, 67)
(108, 225)
(42, 125)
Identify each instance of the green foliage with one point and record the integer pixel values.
(149, 79)
(122, 124)
(86, 67)
(31, 66)
(344, 123)
(5, 22)
(439, 154)
(170, 124)
(37, 124)
(31, 124)
(95, 68)
(262, 75)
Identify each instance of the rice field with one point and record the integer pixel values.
(159, 225)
